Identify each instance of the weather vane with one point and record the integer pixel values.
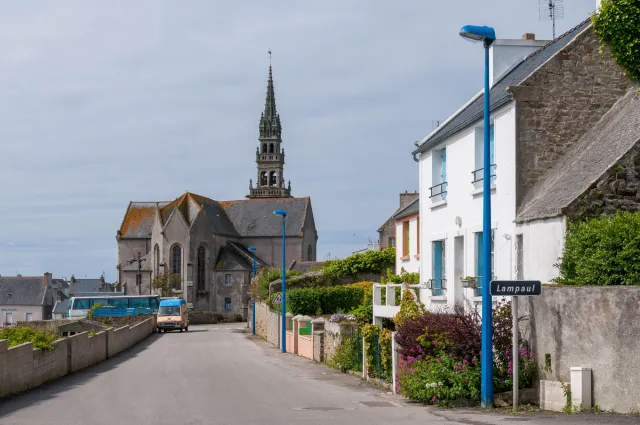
(269, 57)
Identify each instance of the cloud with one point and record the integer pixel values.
(106, 102)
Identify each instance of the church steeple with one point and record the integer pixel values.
(269, 154)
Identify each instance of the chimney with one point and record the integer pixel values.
(504, 54)
(407, 198)
(47, 281)
(528, 36)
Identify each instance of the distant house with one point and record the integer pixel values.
(407, 226)
(387, 231)
(89, 285)
(26, 298)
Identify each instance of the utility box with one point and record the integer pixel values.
(581, 388)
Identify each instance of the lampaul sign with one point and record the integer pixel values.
(518, 288)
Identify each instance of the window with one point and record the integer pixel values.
(227, 304)
(272, 178)
(263, 178)
(392, 242)
(176, 259)
(439, 176)
(227, 279)
(119, 302)
(406, 239)
(139, 302)
(264, 148)
(201, 268)
(29, 317)
(81, 304)
(478, 173)
(480, 278)
(271, 149)
(439, 265)
(156, 259)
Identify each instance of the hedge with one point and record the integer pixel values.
(319, 301)
(602, 252)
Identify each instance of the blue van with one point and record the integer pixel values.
(173, 315)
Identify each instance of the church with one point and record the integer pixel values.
(206, 241)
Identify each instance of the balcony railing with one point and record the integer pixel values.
(478, 175)
(437, 286)
(439, 190)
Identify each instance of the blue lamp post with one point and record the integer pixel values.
(487, 35)
(254, 271)
(283, 213)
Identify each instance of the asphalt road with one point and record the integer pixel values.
(219, 374)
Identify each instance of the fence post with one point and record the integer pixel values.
(394, 361)
(364, 359)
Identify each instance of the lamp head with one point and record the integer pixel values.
(477, 33)
(252, 249)
(283, 213)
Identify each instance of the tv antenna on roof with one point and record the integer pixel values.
(550, 10)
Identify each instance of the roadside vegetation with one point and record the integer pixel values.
(19, 335)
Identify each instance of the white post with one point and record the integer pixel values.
(515, 361)
(581, 387)
(394, 361)
(364, 359)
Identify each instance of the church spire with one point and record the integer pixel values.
(270, 126)
(270, 155)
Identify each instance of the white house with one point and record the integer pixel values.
(545, 106)
(407, 223)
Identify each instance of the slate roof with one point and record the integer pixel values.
(61, 307)
(593, 155)
(498, 95)
(255, 218)
(412, 208)
(22, 290)
(235, 256)
(245, 218)
(305, 266)
(87, 285)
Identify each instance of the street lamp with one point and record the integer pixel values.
(283, 213)
(253, 301)
(487, 35)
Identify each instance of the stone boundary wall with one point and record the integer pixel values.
(22, 367)
(589, 327)
(267, 323)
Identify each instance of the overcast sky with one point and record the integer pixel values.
(102, 103)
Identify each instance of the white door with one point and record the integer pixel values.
(9, 318)
(29, 317)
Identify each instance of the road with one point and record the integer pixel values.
(219, 374)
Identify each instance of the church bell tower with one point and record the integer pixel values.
(269, 154)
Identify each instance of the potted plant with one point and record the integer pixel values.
(469, 282)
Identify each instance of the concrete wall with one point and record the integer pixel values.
(542, 244)
(22, 367)
(591, 327)
(18, 313)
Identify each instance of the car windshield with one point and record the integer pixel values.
(169, 311)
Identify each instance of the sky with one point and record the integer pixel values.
(102, 103)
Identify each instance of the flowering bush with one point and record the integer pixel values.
(337, 318)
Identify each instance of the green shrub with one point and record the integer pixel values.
(602, 252)
(260, 284)
(329, 300)
(20, 335)
(92, 309)
(618, 25)
(348, 354)
(365, 262)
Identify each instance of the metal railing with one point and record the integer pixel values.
(478, 175)
(437, 286)
(439, 189)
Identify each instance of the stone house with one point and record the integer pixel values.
(564, 134)
(27, 298)
(206, 241)
(387, 231)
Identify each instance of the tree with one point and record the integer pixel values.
(167, 283)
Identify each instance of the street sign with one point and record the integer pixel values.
(518, 288)
(277, 299)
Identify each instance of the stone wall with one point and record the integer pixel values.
(50, 326)
(267, 323)
(22, 367)
(591, 327)
(617, 190)
(560, 102)
(333, 336)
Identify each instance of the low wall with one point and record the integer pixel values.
(305, 346)
(22, 367)
(591, 327)
(333, 336)
(50, 326)
(267, 323)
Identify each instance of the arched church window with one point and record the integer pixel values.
(176, 259)
(309, 252)
(201, 268)
(156, 260)
(263, 179)
(272, 180)
(271, 148)
(264, 148)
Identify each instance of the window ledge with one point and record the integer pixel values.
(438, 298)
(480, 190)
(477, 300)
(438, 204)
(405, 258)
(417, 256)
